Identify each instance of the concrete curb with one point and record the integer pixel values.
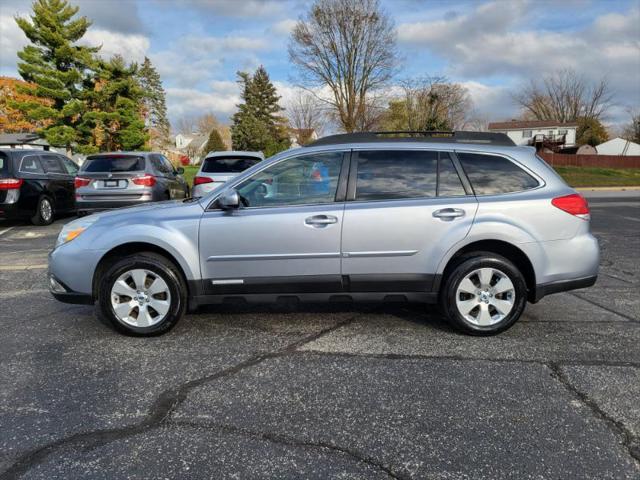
(608, 189)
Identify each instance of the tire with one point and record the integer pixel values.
(493, 305)
(146, 313)
(44, 212)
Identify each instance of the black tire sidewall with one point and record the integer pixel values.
(157, 265)
(448, 298)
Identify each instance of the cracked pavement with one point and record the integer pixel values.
(368, 391)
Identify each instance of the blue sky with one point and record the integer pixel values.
(491, 47)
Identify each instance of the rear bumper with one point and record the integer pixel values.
(11, 210)
(562, 286)
(204, 188)
(97, 206)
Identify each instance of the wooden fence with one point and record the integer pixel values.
(604, 161)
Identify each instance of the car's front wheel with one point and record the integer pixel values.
(484, 294)
(142, 294)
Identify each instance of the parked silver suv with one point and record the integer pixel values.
(466, 219)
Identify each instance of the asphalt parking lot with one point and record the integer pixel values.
(324, 391)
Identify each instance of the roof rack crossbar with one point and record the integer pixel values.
(439, 136)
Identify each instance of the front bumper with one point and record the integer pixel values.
(63, 294)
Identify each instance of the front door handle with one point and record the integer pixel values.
(448, 214)
(320, 220)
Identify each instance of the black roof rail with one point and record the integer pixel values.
(486, 138)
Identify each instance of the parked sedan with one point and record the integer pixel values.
(112, 180)
(219, 167)
(36, 185)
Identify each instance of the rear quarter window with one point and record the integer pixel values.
(112, 163)
(4, 162)
(30, 164)
(228, 164)
(492, 175)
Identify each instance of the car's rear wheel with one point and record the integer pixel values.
(484, 294)
(44, 212)
(142, 294)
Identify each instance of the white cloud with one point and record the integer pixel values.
(133, 47)
(233, 8)
(12, 39)
(283, 27)
(493, 41)
(187, 102)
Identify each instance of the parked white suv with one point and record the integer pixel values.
(219, 167)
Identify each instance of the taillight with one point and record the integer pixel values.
(201, 180)
(10, 183)
(145, 180)
(81, 182)
(574, 204)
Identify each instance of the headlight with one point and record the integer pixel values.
(73, 229)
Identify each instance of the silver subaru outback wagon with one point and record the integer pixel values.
(467, 220)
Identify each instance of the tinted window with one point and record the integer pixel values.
(3, 162)
(69, 166)
(449, 183)
(30, 164)
(166, 164)
(490, 174)
(51, 164)
(309, 179)
(385, 175)
(113, 163)
(228, 164)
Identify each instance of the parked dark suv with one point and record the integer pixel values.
(36, 185)
(113, 180)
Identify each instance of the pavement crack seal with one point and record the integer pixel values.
(159, 413)
(610, 310)
(290, 441)
(630, 442)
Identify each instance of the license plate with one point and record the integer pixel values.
(111, 183)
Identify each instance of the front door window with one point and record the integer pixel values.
(305, 180)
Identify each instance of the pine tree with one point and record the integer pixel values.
(257, 125)
(115, 121)
(59, 68)
(215, 142)
(154, 103)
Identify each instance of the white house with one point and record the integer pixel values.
(183, 140)
(618, 146)
(538, 132)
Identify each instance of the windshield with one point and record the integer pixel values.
(113, 163)
(228, 164)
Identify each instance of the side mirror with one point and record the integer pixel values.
(229, 200)
(180, 171)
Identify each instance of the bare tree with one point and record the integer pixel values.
(564, 96)
(186, 125)
(429, 103)
(306, 113)
(207, 122)
(631, 131)
(349, 46)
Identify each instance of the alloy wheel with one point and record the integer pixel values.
(140, 298)
(485, 296)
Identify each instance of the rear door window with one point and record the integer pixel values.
(30, 164)
(391, 175)
(492, 174)
(52, 164)
(70, 166)
(230, 164)
(113, 163)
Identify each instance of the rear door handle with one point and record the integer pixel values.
(320, 220)
(448, 214)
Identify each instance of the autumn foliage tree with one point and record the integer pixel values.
(13, 120)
